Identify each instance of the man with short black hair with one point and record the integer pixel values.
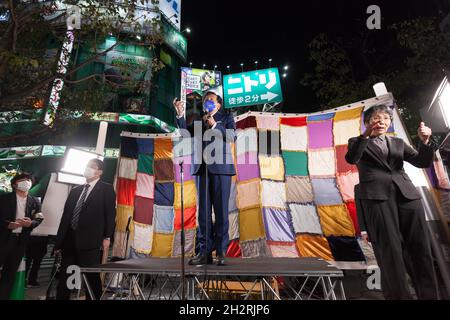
(86, 227)
(20, 213)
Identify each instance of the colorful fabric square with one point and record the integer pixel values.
(163, 219)
(351, 208)
(293, 138)
(271, 168)
(251, 226)
(344, 130)
(268, 123)
(248, 122)
(326, 192)
(345, 249)
(128, 148)
(127, 168)
(163, 148)
(126, 190)
(278, 225)
(322, 163)
(164, 170)
(145, 163)
(248, 194)
(122, 214)
(142, 238)
(234, 249)
(145, 186)
(189, 247)
(247, 166)
(182, 147)
(233, 226)
(143, 210)
(342, 166)
(273, 194)
(190, 218)
(246, 141)
(254, 248)
(295, 163)
(283, 250)
(269, 143)
(320, 117)
(164, 194)
(232, 202)
(336, 221)
(346, 183)
(145, 146)
(162, 245)
(313, 246)
(349, 114)
(189, 194)
(320, 134)
(293, 121)
(305, 218)
(186, 169)
(299, 189)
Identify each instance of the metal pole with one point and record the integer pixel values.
(183, 297)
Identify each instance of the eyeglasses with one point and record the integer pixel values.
(380, 117)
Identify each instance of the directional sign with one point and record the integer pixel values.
(252, 88)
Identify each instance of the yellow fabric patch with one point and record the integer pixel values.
(313, 246)
(348, 114)
(122, 214)
(163, 148)
(189, 194)
(344, 130)
(251, 225)
(162, 245)
(271, 168)
(335, 221)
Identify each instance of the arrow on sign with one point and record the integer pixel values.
(268, 96)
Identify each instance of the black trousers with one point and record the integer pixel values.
(35, 252)
(397, 230)
(81, 258)
(11, 254)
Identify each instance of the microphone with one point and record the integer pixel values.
(128, 224)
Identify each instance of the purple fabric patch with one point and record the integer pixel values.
(278, 224)
(320, 134)
(247, 166)
(326, 192)
(186, 168)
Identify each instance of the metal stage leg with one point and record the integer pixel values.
(88, 287)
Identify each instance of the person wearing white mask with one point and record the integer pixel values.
(86, 227)
(20, 213)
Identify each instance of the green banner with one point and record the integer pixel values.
(174, 39)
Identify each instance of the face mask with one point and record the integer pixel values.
(89, 173)
(24, 185)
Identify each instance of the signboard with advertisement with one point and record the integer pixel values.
(252, 88)
(197, 81)
(172, 10)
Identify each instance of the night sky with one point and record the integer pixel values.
(228, 32)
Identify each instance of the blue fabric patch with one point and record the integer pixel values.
(145, 146)
(278, 225)
(326, 192)
(129, 148)
(164, 194)
(163, 219)
(320, 117)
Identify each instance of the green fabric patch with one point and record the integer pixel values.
(145, 163)
(296, 163)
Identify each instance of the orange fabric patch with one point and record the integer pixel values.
(163, 148)
(313, 246)
(162, 245)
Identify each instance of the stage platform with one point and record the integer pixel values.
(160, 278)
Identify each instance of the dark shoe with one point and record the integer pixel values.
(199, 260)
(220, 260)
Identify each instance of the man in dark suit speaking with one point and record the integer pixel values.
(86, 227)
(213, 167)
(392, 212)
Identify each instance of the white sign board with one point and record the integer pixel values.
(172, 10)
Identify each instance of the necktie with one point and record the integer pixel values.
(381, 144)
(78, 207)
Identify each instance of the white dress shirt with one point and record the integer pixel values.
(20, 210)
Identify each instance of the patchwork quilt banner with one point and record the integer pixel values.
(292, 195)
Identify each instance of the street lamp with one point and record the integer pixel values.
(215, 66)
(228, 67)
(284, 75)
(270, 62)
(256, 65)
(187, 30)
(242, 67)
(286, 67)
(204, 65)
(190, 64)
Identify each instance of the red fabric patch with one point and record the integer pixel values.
(126, 189)
(190, 219)
(342, 165)
(234, 250)
(143, 210)
(249, 122)
(294, 121)
(352, 211)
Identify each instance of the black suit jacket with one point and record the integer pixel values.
(97, 217)
(377, 175)
(8, 207)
